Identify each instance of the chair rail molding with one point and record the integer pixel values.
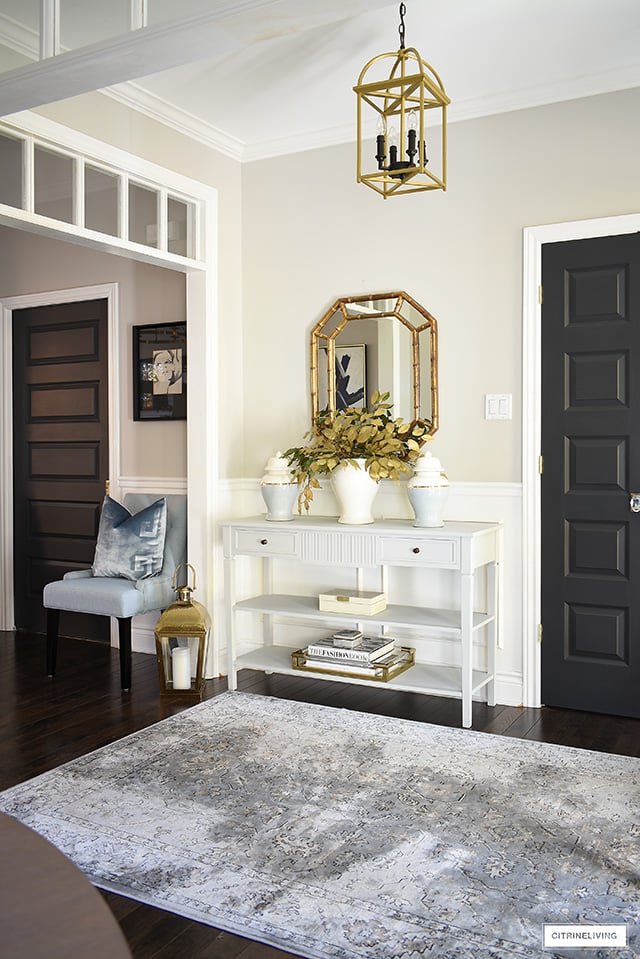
(152, 484)
(533, 240)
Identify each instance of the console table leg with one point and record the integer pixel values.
(466, 640)
(229, 581)
(492, 633)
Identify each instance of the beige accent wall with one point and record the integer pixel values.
(311, 234)
(107, 120)
(295, 232)
(147, 294)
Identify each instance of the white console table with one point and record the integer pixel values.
(464, 548)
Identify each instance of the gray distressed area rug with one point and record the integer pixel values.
(341, 835)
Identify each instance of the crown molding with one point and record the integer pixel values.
(18, 38)
(541, 95)
(477, 108)
(24, 41)
(154, 107)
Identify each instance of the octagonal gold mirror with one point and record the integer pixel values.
(381, 341)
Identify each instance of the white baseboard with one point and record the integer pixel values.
(143, 638)
(509, 689)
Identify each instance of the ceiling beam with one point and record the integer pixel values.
(227, 28)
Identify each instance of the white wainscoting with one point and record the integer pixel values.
(481, 502)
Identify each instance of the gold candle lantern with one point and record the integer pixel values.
(182, 642)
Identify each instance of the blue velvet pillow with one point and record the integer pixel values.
(130, 546)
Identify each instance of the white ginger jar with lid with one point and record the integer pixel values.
(279, 489)
(428, 490)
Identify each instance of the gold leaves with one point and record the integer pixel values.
(389, 446)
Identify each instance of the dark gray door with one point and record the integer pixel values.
(61, 447)
(591, 447)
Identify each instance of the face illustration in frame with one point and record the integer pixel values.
(167, 371)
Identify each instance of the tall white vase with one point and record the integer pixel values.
(355, 492)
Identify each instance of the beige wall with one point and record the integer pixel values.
(311, 234)
(147, 294)
(105, 119)
(296, 232)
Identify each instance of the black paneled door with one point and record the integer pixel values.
(60, 450)
(591, 448)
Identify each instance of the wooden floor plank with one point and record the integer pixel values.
(44, 722)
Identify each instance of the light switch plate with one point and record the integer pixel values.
(497, 406)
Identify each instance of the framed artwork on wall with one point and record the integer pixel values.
(350, 376)
(160, 372)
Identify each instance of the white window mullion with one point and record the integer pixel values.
(28, 176)
(124, 207)
(78, 191)
(139, 14)
(49, 28)
(162, 218)
(195, 242)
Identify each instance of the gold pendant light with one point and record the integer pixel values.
(404, 159)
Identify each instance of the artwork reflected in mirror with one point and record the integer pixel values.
(350, 377)
(386, 342)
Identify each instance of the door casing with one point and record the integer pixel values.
(533, 240)
(107, 291)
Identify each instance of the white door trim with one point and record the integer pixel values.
(105, 291)
(533, 240)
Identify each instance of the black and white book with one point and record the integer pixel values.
(368, 650)
(354, 667)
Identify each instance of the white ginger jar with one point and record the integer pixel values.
(428, 490)
(279, 489)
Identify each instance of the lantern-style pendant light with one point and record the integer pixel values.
(404, 159)
(182, 642)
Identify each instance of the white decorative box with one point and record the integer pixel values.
(357, 602)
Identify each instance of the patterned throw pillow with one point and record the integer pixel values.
(130, 546)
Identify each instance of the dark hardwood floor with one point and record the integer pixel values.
(45, 722)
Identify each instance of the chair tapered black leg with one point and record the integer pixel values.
(53, 621)
(124, 632)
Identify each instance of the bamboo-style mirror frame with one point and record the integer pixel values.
(344, 311)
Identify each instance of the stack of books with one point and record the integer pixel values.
(349, 653)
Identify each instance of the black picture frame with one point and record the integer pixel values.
(159, 380)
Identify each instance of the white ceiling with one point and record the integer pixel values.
(258, 78)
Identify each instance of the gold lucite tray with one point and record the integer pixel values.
(397, 662)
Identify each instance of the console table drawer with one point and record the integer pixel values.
(444, 553)
(260, 543)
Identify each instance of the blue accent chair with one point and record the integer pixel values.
(82, 592)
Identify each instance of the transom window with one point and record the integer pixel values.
(71, 188)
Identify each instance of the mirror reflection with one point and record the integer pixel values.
(386, 342)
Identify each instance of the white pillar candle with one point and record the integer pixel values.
(181, 668)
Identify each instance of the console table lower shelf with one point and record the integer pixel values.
(402, 659)
(428, 680)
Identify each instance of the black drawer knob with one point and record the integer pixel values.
(416, 549)
(264, 542)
